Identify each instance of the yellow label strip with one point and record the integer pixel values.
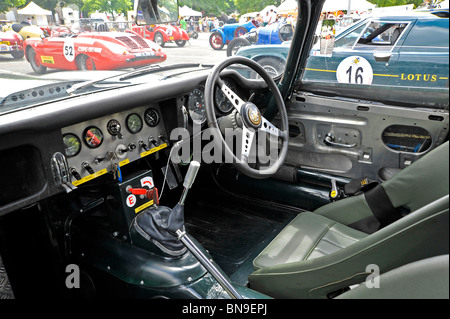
(144, 206)
(90, 177)
(153, 150)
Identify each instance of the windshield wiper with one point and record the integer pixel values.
(165, 68)
(144, 70)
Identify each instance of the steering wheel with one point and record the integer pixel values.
(253, 123)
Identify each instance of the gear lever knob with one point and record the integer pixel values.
(189, 179)
(191, 174)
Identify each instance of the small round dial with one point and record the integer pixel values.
(196, 106)
(134, 123)
(151, 117)
(93, 137)
(72, 144)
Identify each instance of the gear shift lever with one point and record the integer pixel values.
(190, 245)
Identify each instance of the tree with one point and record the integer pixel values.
(390, 3)
(246, 6)
(109, 6)
(6, 5)
(210, 7)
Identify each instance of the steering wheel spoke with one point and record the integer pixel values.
(248, 135)
(268, 127)
(233, 97)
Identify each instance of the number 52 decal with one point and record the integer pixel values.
(355, 70)
(69, 50)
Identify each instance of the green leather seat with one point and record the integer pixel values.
(318, 253)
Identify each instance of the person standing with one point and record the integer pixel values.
(216, 23)
(266, 18)
(259, 19)
(183, 23)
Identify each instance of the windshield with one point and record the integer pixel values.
(43, 57)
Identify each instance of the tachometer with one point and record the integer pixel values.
(134, 123)
(72, 144)
(151, 117)
(196, 106)
(222, 103)
(93, 137)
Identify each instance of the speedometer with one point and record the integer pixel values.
(134, 123)
(196, 106)
(222, 103)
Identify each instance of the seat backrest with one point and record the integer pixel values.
(424, 181)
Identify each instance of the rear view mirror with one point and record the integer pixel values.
(155, 11)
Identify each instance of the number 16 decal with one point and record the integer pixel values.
(355, 70)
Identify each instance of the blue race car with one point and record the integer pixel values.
(221, 36)
(275, 33)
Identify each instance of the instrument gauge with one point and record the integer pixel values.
(93, 137)
(72, 144)
(151, 117)
(223, 104)
(134, 123)
(196, 106)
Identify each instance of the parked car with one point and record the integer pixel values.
(27, 31)
(11, 43)
(387, 51)
(66, 50)
(221, 36)
(275, 33)
(163, 33)
(192, 181)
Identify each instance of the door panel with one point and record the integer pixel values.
(367, 137)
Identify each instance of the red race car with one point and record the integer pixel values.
(11, 43)
(90, 51)
(162, 33)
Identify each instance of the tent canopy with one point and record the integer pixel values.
(336, 5)
(185, 11)
(32, 9)
(444, 4)
(266, 9)
(288, 7)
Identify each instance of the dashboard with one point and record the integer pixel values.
(104, 145)
(94, 147)
(71, 141)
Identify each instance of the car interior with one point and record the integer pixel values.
(120, 182)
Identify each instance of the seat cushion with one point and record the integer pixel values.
(307, 236)
(424, 279)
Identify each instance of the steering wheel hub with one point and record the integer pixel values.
(251, 115)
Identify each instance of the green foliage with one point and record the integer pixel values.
(246, 6)
(110, 6)
(5, 5)
(209, 7)
(390, 3)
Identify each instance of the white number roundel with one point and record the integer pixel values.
(69, 50)
(355, 70)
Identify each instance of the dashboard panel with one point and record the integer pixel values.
(105, 144)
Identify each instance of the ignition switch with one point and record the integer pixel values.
(114, 129)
